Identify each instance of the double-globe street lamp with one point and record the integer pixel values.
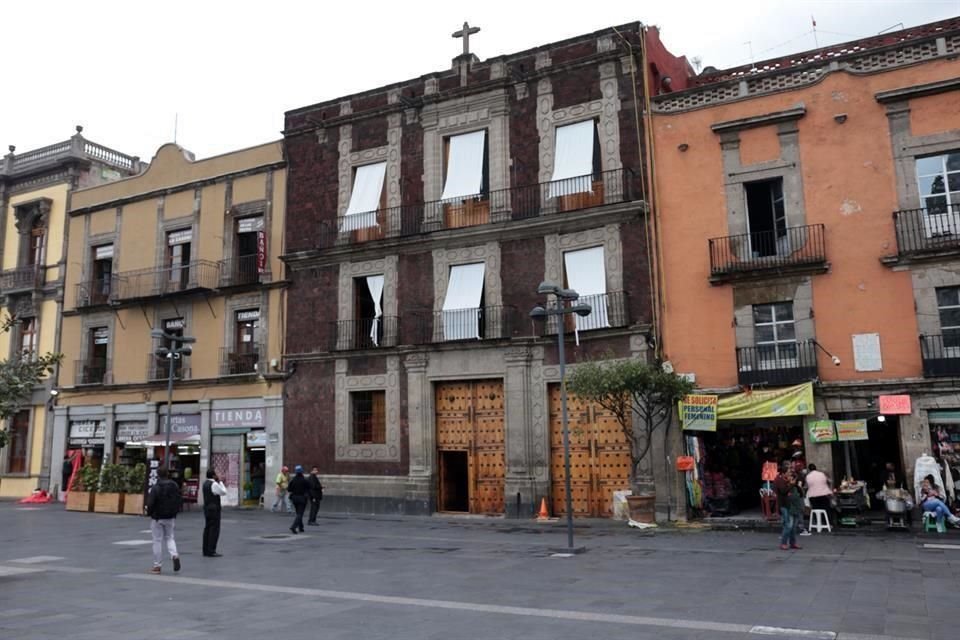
(179, 346)
(561, 306)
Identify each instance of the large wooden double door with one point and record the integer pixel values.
(470, 446)
(599, 457)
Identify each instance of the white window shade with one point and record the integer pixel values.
(461, 307)
(572, 159)
(365, 197)
(587, 276)
(375, 287)
(464, 166)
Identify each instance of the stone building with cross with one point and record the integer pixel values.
(817, 242)
(423, 215)
(36, 190)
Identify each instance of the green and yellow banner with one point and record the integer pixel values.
(821, 431)
(767, 403)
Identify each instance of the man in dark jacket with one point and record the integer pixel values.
(163, 505)
(298, 490)
(212, 490)
(316, 495)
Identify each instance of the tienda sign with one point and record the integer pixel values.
(895, 405)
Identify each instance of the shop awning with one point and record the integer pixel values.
(767, 403)
(159, 440)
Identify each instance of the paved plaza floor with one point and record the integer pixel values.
(85, 576)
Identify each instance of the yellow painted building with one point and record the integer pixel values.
(36, 189)
(187, 248)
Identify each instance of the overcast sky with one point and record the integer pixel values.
(227, 71)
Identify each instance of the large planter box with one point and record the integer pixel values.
(108, 503)
(133, 504)
(642, 507)
(80, 501)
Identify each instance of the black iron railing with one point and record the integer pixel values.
(239, 271)
(365, 333)
(23, 278)
(96, 292)
(482, 323)
(781, 365)
(516, 203)
(608, 310)
(750, 252)
(158, 368)
(239, 363)
(940, 355)
(927, 230)
(92, 371)
(145, 283)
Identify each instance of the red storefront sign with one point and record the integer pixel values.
(261, 251)
(895, 405)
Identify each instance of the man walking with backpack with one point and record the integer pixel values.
(163, 505)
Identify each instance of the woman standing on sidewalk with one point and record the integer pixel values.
(790, 499)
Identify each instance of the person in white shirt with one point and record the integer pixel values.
(213, 489)
(818, 489)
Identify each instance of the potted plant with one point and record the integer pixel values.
(80, 497)
(109, 496)
(642, 398)
(136, 481)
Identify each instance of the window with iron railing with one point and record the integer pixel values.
(775, 336)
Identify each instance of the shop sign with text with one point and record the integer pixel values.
(87, 432)
(769, 403)
(182, 423)
(699, 412)
(821, 431)
(238, 418)
(895, 405)
(132, 431)
(851, 430)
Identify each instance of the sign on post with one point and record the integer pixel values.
(848, 430)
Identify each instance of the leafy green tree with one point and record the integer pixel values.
(642, 398)
(18, 377)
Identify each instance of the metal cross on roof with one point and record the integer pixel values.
(465, 33)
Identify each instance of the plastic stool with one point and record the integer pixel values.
(930, 523)
(819, 520)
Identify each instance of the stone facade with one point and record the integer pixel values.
(518, 100)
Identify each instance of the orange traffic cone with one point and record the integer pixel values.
(543, 515)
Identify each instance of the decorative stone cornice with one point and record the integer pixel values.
(775, 117)
(917, 91)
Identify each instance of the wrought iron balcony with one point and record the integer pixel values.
(940, 355)
(365, 333)
(494, 207)
(777, 366)
(239, 363)
(198, 275)
(608, 310)
(928, 231)
(483, 323)
(92, 371)
(94, 293)
(158, 368)
(21, 279)
(751, 254)
(239, 271)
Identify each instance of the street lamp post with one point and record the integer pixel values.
(179, 347)
(562, 307)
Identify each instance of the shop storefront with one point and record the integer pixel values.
(737, 442)
(184, 450)
(238, 448)
(130, 442)
(89, 437)
(945, 440)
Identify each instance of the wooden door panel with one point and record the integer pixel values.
(470, 417)
(599, 456)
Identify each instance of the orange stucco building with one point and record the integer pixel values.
(809, 225)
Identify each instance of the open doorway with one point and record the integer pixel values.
(766, 217)
(454, 481)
